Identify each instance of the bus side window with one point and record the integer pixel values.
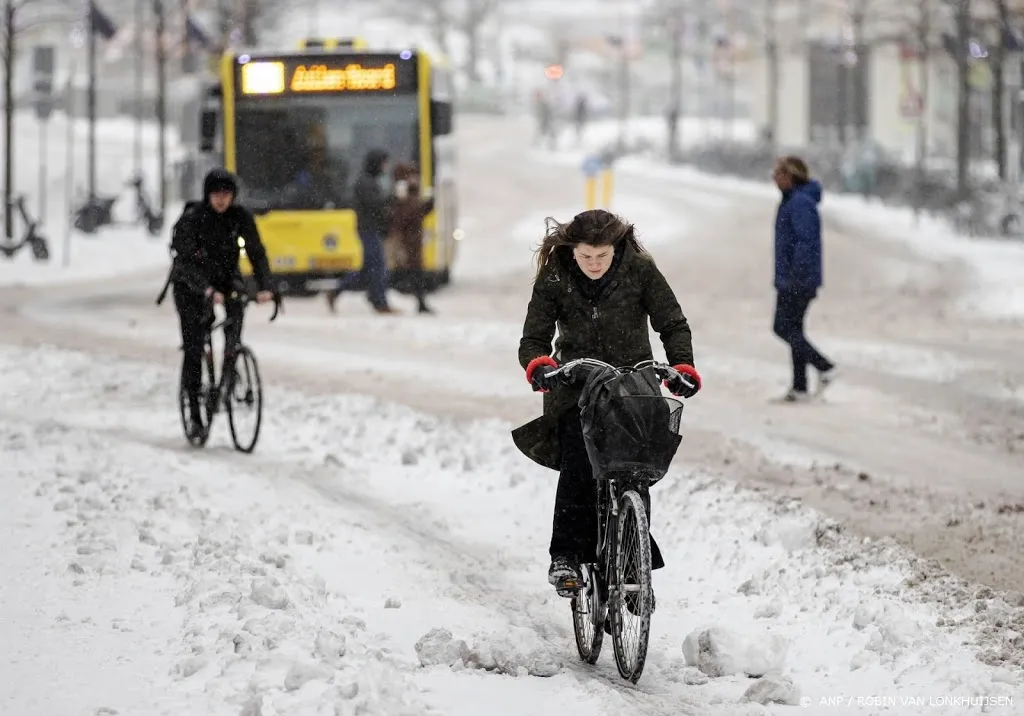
(440, 118)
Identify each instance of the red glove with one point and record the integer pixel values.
(686, 384)
(537, 370)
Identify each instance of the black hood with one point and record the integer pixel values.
(373, 164)
(219, 180)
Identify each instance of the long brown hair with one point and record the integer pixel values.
(595, 227)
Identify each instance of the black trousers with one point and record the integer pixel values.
(191, 308)
(574, 526)
(790, 311)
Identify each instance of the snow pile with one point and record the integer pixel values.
(306, 577)
(258, 631)
(518, 652)
(996, 264)
(773, 690)
(720, 651)
(113, 252)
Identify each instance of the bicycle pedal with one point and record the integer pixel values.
(567, 588)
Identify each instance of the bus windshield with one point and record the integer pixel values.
(302, 153)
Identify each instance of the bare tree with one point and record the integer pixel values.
(466, 16)
(1000, 21)
(670, 18)
(771, 55)
(243, 20)
(925, 22)
(18, 16)
(961, 56)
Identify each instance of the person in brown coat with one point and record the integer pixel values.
(406, 228)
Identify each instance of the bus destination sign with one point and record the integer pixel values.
(320, 78)
(319, 75)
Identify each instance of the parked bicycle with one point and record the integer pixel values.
(31, 238)
(98, 211)
(239, 386)
(631, 433)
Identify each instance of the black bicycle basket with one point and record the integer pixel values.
(629, 428)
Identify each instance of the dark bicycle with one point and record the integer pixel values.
(631, 433)
(239, 387)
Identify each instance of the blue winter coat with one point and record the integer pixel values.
(798, 266)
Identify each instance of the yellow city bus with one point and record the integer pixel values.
(295, 127)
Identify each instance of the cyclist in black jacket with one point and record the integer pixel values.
(205, 246)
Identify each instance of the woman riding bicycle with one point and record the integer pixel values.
(598, 286)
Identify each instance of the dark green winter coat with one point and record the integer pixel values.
(612, 327)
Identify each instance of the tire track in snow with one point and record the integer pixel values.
(463, 561)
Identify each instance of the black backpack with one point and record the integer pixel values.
(629, 427)
(175, 245)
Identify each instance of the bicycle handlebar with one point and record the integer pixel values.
(576, 371)
(245, 297)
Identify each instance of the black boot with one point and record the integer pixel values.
(564, 575)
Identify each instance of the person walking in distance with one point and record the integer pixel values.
(406, 235)
(798, 271)
(372, 204)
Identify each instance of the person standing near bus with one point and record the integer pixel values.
(372, 207)
(410, 209)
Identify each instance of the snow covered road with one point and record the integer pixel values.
(386, 501)
(301, 578)
(928, 420)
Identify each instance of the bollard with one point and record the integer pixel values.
(606, 187)
(591, 167)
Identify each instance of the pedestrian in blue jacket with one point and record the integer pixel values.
(798, 270)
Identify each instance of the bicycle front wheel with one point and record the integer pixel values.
(632, 597)
(244, 402)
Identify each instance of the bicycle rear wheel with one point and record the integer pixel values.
(631, 593)
(244, 402)
(207, 407)
(589, 612)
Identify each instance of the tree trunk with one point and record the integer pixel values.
(999, 90)
(675, 104)
(924, 69)
(858, 73)
(772, 56)
(963, 118)
(250, 13)
(161, 103)
(998, 120)
(8, 50)
(440, 27)
(472, 30)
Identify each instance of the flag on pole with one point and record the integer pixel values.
(100, 23)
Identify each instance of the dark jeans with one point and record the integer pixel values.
(374, 270)
(574, 527)
(190, 306)
(790, 310)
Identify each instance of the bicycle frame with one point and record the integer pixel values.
(226, 369)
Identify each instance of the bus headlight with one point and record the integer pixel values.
(458, 234)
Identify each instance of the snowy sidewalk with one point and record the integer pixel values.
(299, 580)
(994, 265)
